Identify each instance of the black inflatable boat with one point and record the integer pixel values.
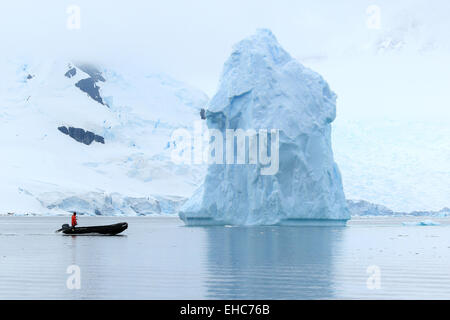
(112, 229)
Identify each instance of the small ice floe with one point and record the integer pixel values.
(422, 223)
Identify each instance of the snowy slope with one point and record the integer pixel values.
(401, 164)
(391, 136)
(46, 171)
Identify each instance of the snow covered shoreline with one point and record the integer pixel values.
(170, 208)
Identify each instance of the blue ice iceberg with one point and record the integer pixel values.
(263, 87)
(422, 223)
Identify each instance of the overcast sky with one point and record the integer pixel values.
(190, 40)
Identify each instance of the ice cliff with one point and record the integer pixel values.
(263, 87)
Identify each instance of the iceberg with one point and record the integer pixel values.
(263, 88)
(422, 223)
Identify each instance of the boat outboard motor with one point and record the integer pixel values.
(65, 226)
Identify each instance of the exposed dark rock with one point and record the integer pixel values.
(81, 135)
(99, 139)
(63, 130)
(72, 72)
(92, 71)
(29, 77)
(203, 114)
(90, 87)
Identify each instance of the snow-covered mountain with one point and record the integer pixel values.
(75, 136)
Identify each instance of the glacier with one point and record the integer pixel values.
(102, 149)
(364, 208)
(263, 87)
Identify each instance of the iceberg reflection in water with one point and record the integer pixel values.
(160, 258)
(271, 262)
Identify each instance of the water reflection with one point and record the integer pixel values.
(271, 262)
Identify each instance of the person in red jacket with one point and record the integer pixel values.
(74, 219)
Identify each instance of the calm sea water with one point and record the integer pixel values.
(159, 258)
